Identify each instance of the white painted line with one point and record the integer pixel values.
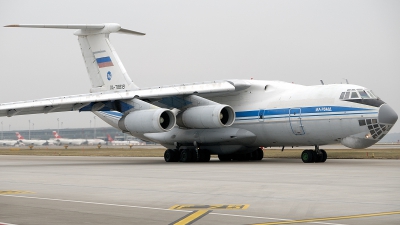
(93, 203)
(270, 218)
(153, 208)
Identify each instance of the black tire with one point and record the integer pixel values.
(307, 156)
(186, 155)
(258, 154)
(204, 155)
(324, 155)
(224, 158)
(316, 157)
(242, 157)
(171, 155)
(254, 155)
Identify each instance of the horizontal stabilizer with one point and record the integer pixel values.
(60, 26)
(85, 29)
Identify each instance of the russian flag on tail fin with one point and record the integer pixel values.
(104, 62)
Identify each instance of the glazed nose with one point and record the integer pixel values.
(387, 115)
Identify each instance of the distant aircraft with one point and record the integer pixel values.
(113, 142)
(21, 139)
(9, 142)
(96, 141)
(67, 141)
(229, 118)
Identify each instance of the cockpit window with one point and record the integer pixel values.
(354, 95)
(363, 94)
(372, 94)
(357, 94)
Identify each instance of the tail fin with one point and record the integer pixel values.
(19, 136)
(56, 134)
(109, 138)
(105, 69)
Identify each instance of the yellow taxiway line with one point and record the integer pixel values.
(14, 192)
(191, 217)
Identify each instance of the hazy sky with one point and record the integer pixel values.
(190, 41)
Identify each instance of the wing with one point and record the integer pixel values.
(102, 101)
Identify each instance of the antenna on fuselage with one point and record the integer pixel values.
(322, 82)
(347, 82)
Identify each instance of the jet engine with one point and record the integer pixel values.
(148, 121)
(209, 116)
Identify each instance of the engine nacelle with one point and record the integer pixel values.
(209, 116)
(148, 121)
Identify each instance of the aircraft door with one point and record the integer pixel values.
(295, 121)
(261, 115)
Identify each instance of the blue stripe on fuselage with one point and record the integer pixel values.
(320, 110)
(282, 113)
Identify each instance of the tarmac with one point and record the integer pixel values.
(113, 190)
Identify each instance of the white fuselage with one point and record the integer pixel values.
(9, 142)
(67, 141)
(282, 114)
(34, 142)
(96, 142)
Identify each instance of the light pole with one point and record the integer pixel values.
(61, 127)
(29, 136)
(94, 126)
(58, 125)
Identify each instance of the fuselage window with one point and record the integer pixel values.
(347, 95)
(341, 95)
(363, 94)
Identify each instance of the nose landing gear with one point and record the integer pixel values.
(317, 155)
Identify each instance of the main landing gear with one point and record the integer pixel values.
(311, 156)
(257, 154)
(203, 155)
(187, 155)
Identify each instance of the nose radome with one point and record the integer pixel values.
(387, 114)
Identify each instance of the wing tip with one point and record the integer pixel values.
(12, 25)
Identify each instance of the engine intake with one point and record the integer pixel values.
(210, 116)
(148, 121)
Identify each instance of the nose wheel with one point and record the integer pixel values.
(311, 156)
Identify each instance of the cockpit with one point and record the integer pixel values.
(361, 96)
(357, 94)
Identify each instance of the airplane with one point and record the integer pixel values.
(96, 141)
(113, 142)
(9, 142)
(67, 141)
(228, 118)
(24, 141)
